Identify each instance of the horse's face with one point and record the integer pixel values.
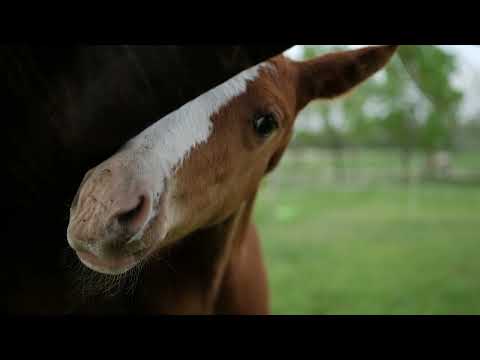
(196, 167)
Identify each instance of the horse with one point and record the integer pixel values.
(64, 109)
(168, 218)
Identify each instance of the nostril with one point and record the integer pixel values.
(136, 217)
(129, 215)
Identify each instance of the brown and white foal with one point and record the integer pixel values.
(184, 188)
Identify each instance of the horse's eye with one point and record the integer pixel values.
(264, 125)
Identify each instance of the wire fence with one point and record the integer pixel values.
(356, 167)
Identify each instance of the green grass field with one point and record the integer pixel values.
(369, 247)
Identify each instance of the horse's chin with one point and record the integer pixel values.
(108, 266)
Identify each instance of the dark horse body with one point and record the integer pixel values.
(64, 110)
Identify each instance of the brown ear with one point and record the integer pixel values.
(335, 74)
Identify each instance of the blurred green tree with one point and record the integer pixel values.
(412, 104)
(431, 68)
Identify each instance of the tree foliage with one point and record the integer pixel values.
(412, 103)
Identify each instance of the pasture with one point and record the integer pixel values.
(371, 244)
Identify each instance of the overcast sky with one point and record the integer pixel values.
(466, 78)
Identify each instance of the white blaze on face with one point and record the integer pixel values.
(146, 165)
(162, 147)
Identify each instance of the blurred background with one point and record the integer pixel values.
(375, 207)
